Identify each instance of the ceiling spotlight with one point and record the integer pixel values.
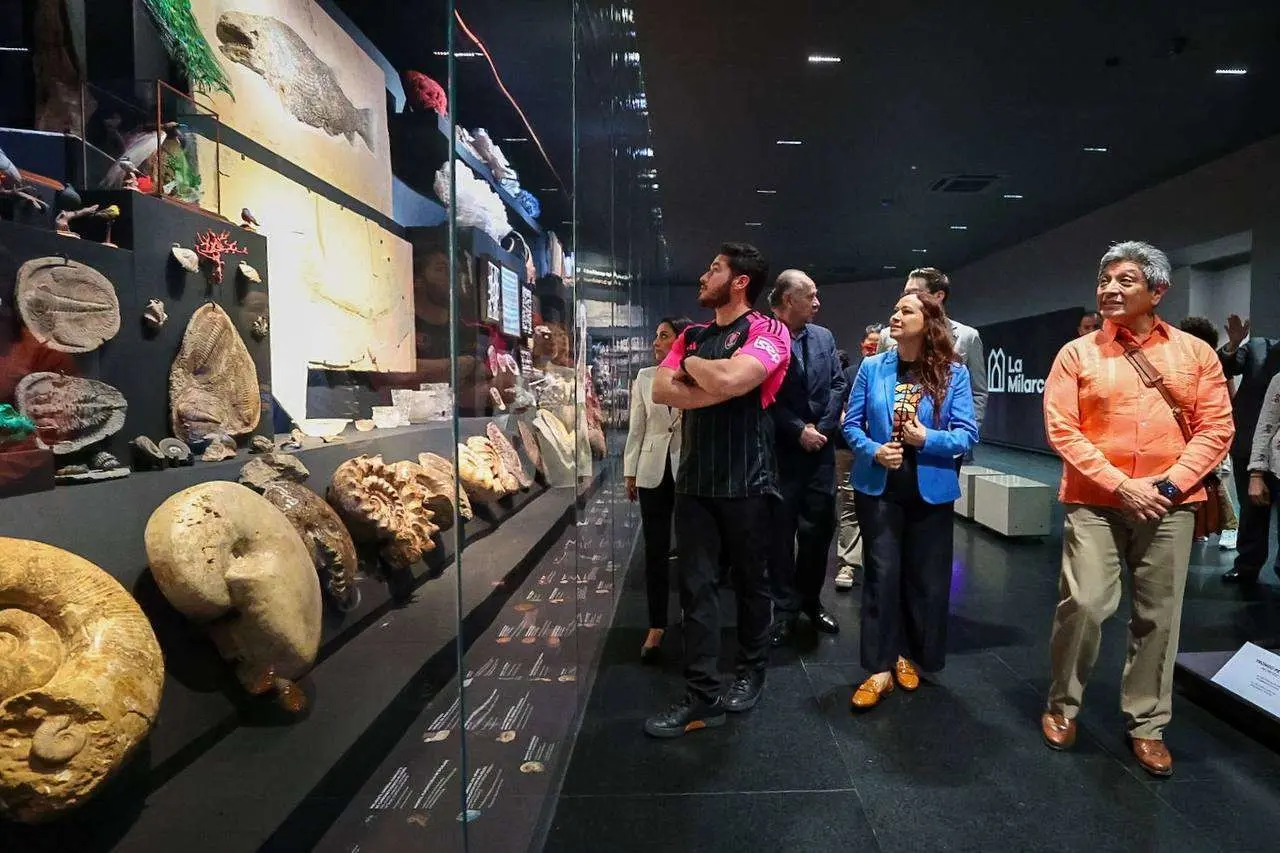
(790, 142)
(1232, 72)
(549, 190)
(1095, 150)
(1012, 195)
(753, 224)
(823, 59)
(959, 227)
(515, 139)
(767, 192)
(889, 267)
(459, 54)
(920, 251)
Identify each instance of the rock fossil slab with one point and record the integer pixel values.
(225, 557)
(80, 679)
(67, 305)
(70, 413)
(267, 468)
(213, 385)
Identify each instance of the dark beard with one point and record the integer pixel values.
(716, 299)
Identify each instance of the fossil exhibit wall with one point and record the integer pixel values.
(341, 287)
(304, 89)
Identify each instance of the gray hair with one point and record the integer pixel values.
(1154, 263)
(782, 285)
(872, 329)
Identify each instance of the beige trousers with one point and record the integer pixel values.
(849, 542)
(1096, 542)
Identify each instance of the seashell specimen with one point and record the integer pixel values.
(443, 481)
(68, 306)
(186, 258)
(213, 385)
(385, 505)
(176, 451)
(484, 448)
(510, 459)
(261, 444)
(155, 316)
(327, 540)
(249, 273)
(225, 557)
(270, 468)
(529, 441)
(104, 461)
(477, 477)
(261, 326)
(146, 455)
(80, 679)
(221, 446)
(70, 413)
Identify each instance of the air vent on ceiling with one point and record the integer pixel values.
(963, 183)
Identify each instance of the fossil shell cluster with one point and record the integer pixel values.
(68, 306)
(70, 413)
(224, 556)
(213, 385)
(477, 477)
(80, 679)
(484, 449)
(327, 540)
(507, 453)
(440, 472)
(385, 505)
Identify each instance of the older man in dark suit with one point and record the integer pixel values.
(806, 418)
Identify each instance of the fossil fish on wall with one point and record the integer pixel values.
(307, 87)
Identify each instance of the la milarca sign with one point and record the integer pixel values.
(1005, 376)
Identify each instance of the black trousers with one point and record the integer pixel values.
(906, 586)
(704, 528)
(1253, 539)
(656, 508)
(804, 525)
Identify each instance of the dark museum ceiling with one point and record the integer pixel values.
(923, 92)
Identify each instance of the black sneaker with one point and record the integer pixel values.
(744, 693)
(688, 715)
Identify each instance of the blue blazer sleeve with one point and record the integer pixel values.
(961, 430)
(856, 414)
(830, 421)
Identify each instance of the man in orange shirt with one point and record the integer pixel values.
(1130, 485)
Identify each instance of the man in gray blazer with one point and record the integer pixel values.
(930, 282)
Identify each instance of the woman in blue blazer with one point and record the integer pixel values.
(910, 414)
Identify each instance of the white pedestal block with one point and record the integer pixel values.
(1012, 506)
(964, 506)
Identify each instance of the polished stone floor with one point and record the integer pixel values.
(957, 766)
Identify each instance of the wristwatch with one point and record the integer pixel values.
(1169, 490)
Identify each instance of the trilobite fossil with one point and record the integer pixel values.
(69, 412)
(68, 306)
(213, 385)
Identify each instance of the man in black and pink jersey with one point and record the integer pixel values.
(724, 375)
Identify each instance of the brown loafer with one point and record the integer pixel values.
(907, 677)
(1154, 756)
(1059, 732)
(868, 695)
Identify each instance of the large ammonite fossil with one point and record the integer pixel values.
(385, 505)
(225, 557)
(484, 448)
(444, 481)
(510, 459)
(324, 534)
(68, 306)
(80, 679)
(477, 477)
(70, 413)
(213, 385)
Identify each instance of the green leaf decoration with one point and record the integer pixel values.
(188, 46)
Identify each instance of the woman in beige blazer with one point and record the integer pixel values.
(650, 462)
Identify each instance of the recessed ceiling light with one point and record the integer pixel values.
(920, 251)
(515, 139)
(767, 192)
(790, 142)
(549, 190)
(959, 227)
(823, 59)
(889, 267)
(1232, 72)
(753, 224)
(1012, 195)
(1095, 150)
(460, 54)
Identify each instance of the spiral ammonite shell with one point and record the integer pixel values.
(385, 505)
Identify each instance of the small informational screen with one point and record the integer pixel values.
(510, 302)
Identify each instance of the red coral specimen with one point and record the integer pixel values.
(213, 246)
(425, 93)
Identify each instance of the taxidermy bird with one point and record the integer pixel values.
(250, 221)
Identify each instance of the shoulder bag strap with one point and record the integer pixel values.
(1152, 379)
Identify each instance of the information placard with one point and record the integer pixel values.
(510, 302)
(1253, 674)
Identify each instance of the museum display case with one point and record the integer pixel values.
(311, 512)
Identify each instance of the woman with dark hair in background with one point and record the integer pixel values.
(649, 465)
(910, 415)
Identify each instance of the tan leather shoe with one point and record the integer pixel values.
(1154, 756)
(1058, 731)
(868, 695)
(906, 675)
